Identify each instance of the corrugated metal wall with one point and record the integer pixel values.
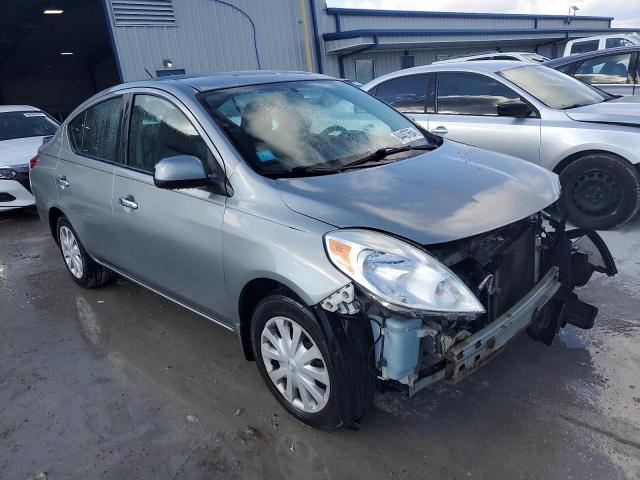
(209, 37)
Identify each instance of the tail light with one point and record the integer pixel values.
(33, 162)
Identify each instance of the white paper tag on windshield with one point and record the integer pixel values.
(407, 135)
(33, 114)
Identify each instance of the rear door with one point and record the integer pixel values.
(409, 95)
(84, 173)
(466, 111)
(169, 240)
(614, 73)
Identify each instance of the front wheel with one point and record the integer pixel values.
(299, 369)
(600, 191)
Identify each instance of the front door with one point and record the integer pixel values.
(466, 111)
(615, 74)
(170, 240)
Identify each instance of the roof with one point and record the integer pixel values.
(595, 54)
(226, 79)
(481, 66)
(18, 108)
(413, 13)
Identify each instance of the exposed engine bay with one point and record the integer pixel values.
(524, 275)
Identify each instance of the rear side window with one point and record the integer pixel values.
(158, 129)
(94, 133)
(588, 46)
(618, 42)
(471, 94)
(406, 94)
(609, 69)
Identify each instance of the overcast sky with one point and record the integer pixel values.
(626, 12)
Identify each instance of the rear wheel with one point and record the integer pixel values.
(83, 269)
(600, 191)
(301, 372)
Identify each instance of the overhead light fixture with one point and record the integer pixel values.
(167, 63)
(66, 53)
(53, 11)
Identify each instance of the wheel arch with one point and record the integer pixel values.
(252, 293)
(565, 162)
(54, 215)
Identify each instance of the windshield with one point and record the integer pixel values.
(554, 89)
(279, 127)
(25, 124)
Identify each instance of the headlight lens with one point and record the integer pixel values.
(398, 274)
(7, 173)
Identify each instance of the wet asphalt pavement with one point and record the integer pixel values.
(118, 383)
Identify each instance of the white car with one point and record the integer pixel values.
(601, 42)
(518, 56)
(22, 130)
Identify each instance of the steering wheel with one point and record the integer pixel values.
(332, 129)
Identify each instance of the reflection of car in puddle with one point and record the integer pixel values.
(88, 321)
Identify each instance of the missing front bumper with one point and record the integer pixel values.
(470, 354)
(475, 351)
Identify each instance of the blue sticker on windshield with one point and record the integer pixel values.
(265, 155)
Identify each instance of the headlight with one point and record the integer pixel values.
(398, 274)
(7, 173)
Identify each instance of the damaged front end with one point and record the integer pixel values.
(522, 274)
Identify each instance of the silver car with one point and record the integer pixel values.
(338, 240)
(615, 70)
(589, 138)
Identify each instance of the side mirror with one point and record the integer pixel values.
(180, 171)
(514, 108)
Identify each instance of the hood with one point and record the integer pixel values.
(453, 192)
(18, 151)
(624, 110)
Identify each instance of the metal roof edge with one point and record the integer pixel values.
(479, 31)
(420, 13)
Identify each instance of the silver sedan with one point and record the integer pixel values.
(591, 139)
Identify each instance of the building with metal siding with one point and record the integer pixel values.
(207, 36)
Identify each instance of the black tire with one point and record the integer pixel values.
(600, 191)
(343, 387)
(93, 274)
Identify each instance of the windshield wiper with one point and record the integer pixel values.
(377, 155)
(385, 152)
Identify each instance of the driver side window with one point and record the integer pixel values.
(157, 130)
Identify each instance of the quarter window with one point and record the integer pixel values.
(609, 69)
(94, 132)
(158, 129)
(471, 94)
(406, 94)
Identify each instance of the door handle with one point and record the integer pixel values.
(440, 130)
(61, 180)
(128, 202)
